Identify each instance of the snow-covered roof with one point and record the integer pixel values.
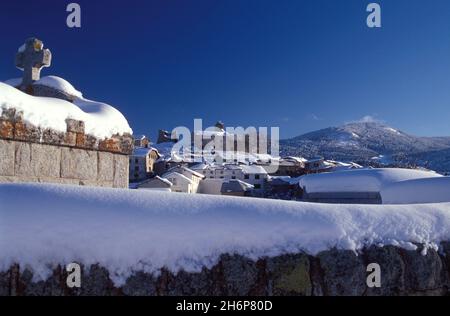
(188, 232)
(253, 169)
(235, 186)
(427, 190)
(195, 173)
(296, 159)
(59, 84)
(359, 180)
(15, 82)
(156, 178)
(143, 151)
(140, 137)
(101, 120)
(176, 175)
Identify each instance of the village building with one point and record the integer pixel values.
(283, 188)
(141, 141)
(142, 162)
(252, 174)
(156, 184)
(317, 165)
(183, 179)
(291, 166)
(236, 188)
(63, 138)
(359, 186)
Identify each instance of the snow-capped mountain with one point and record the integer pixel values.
(361, 141)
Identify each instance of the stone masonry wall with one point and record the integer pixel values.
(31, 162)
(330, 273)
(32, 154)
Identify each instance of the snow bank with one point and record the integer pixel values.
(130, 230)
(417, 191)
(59, 84)
(15, 82)
(360, 180)
(101, 120)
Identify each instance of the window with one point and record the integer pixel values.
(257, 186)
(136, 175)
(257, 176)
(221, 177)
(136, 168)
(136, 160)
(246, 176)
(233, 177)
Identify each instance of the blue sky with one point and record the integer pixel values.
(299, 65)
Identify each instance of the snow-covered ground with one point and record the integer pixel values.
(129, 230)
(101, 120)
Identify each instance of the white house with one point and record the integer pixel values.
(180, 183)
(192, 175)
(252, 174)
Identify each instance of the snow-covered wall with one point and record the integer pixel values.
(329, 273)
(138, 241)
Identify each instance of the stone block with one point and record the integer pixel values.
(78, 164)
(7, 152)
(26, 132)
(110, 144)
(6, 129)
(8, 114)
(424, 273)
(289, 275)
(140, 284)
(70, 139)
(344, 273)
(22, 165)
(46, 160)
(239, 274)
(53, 137)
(392, 270)
(81, 140)
(105, 166)
(91, 142)
(121, 172)
(75, 126)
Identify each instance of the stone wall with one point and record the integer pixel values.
(31, 162)
(32, 154)
(333, 272)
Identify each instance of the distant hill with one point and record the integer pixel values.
(363, 141)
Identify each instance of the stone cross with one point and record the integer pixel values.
(31, 58)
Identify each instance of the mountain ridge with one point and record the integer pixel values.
(363, 142)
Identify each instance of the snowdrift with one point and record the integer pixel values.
(126, 230)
